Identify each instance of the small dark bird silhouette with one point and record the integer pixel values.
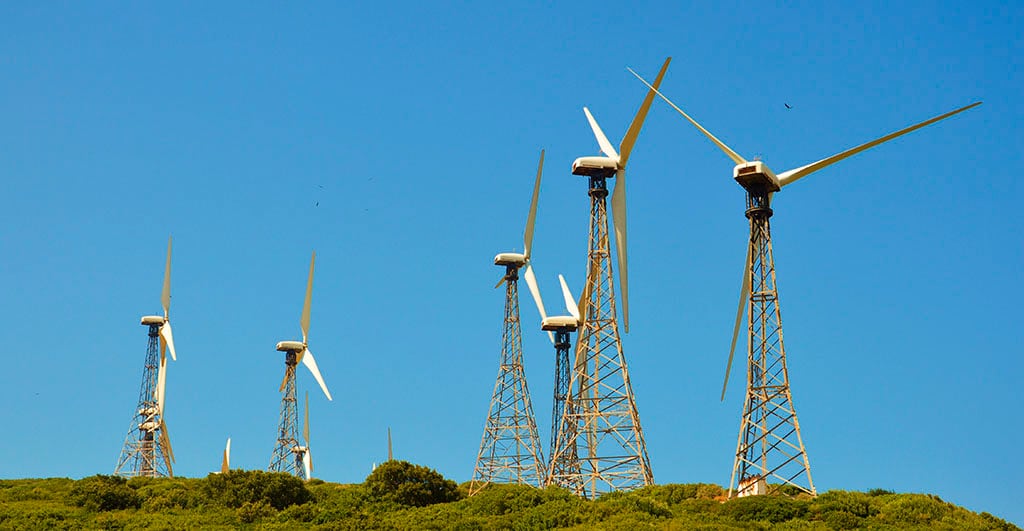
(317, 203)
(787, 105)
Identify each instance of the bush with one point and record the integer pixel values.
(408, 484)
(251, 512)
(238, 487)
(104, 493)
(772, 509)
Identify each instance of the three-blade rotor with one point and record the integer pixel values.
(784, 179)
(306, 355)
(619, 193)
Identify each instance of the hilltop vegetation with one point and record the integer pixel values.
(400, 495)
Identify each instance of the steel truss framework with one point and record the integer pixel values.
(770, 451)
(510, 450)
(288, 453)
(566, 463)
(147, 448)
(600, 422)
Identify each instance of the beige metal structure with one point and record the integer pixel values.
(510, 450)
(770, 450)
(600, 423)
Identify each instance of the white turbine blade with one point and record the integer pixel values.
(304, 322)
(791, 176)
(305, 426)
(619, 219)
(389, 444)
(310, 363)
(638, 121)
(307, 463)
(165, 296)
(225, 464)
(736, 158)
(168, 337)
(500, 282)
(606, 146)
(161, 385)
(528, 233)
(165, 438)
(744, 293)
(570, 302)
(531, 282)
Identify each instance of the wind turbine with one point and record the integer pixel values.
(225, 464)
(510, 450)
(147, 448)
(770, 446)
(288, 455)
(564, 467)
(611, 448)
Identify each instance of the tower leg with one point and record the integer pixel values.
(510, 450)
(601, 423)
(770, 451)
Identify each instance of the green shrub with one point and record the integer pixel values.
(251, 512)
(104, 493)
(235, 488)
(409, 484)
(774, 509)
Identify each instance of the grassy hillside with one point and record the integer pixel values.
(399, 495)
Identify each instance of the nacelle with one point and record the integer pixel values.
(595, 166)
(291, 346)
(510, 259)
(558, 322)
(755, 175)
(153, 320)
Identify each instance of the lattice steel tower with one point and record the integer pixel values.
(770, 450)
(564, 464)
(290, 456)
(510, 450)
(147, 448)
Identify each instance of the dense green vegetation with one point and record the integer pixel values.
(400, 495)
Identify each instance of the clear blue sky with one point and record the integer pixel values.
(417, 129)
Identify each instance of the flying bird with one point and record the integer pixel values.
(787, 105)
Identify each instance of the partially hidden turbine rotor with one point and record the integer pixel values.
(303, 354)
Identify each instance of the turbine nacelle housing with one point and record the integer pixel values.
(291, 346)
(510, 259)
(151, 320)
(595, 166)
(755, 175)
(559, 322)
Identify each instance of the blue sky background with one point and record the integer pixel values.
(417, 129)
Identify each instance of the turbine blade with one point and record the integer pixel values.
(304, 322)
(638, 121)
(570, 302)
(307, 463)
(619, 219)
(744, 293)
(225, 464)
(606, 146)
(584, 303)
(389, 443)
(165, 296)
(165, 439)
(305, 426)
(736, 158)
(791, 176)
(500, 282)
(168, 337)
(528, 233)
(283, 382)
(161, 386)
(531, 282)
(310, 363)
